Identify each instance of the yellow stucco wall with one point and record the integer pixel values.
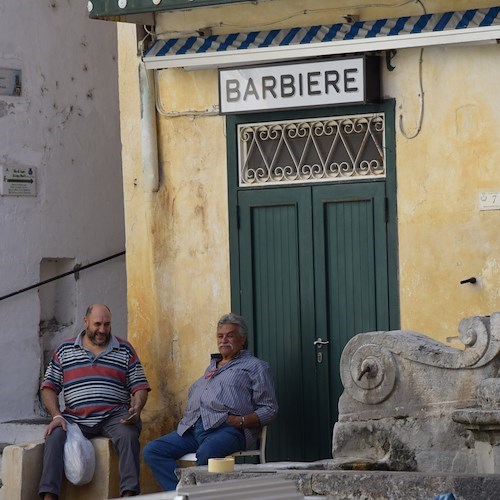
(443, 236)
(177, 238)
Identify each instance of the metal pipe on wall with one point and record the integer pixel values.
(150, 172)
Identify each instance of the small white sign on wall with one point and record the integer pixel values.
(489, 201)
(10, 81)
(17, 181)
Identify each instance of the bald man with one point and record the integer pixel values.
(104, 389)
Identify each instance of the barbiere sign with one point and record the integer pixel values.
(318, 83)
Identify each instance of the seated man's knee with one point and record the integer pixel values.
(148, 451)
(56, 437)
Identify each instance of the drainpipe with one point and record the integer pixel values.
(148, 130)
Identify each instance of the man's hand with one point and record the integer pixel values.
(137, 403)
(234, 421)
(243, 421)
(57, 421)
(132, 418)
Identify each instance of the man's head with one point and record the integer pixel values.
(232, 335)
(97, 322)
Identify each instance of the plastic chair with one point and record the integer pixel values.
(259, 452)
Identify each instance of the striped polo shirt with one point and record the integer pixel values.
(95, 387)
(242, 386)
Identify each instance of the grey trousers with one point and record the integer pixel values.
(125, 439)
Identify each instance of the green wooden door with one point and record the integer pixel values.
(313, 265)
(309, 262)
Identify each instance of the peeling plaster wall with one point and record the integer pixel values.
(177, 239)
(178, 266)
(65, 123)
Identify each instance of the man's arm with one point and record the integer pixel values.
(139, 399)
(51, 403)
(264, 398)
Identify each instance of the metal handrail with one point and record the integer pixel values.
(75, 270)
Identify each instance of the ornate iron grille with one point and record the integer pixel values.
(319, 150)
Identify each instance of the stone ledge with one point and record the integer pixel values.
(22, 468)
(22, 431)
(357, 485)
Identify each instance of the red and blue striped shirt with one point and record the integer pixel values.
(95, 387)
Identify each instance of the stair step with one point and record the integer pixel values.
(22, 431)
(18, 432)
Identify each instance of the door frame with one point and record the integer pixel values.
(232, 121)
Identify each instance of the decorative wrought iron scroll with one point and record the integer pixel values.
(318, 150)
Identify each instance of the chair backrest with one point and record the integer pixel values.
(259, 452)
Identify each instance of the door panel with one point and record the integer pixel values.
(277, 301)
(351, 271)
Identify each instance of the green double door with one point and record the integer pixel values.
(313, 272)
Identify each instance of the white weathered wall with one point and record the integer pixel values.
(66, 124)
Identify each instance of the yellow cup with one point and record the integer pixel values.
(221, 464)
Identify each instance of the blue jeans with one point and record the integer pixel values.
(162, 453)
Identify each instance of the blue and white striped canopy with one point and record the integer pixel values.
(381, 29)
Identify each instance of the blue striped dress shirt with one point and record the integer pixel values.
(242, 386)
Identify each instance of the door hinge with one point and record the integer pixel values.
(238, 216)
(386, 210)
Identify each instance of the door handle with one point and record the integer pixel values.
(319, 342)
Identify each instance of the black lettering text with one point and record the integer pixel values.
(250, 90)
(287, 86)
(331, 80)
(349, 81)
(233, 90)
(312, 81)
(268, 85)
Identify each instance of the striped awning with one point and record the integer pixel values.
(361, 36)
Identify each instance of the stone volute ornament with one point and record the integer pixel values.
(411, 402)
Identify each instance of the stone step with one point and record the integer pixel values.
(2, 446)
(18, 432)
(22, 431)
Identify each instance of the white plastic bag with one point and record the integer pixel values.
(79, 456)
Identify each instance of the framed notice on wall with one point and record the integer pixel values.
(17, 181)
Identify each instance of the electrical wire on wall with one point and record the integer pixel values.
(421, 94)
(214, 111)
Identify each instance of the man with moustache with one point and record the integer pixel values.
(226, 408)
(105, 390)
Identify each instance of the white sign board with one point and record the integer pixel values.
(315, 83)
(10, 81)
(18, 181)
(489, 201)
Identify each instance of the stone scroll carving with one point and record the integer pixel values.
(369, 363)
(402, 391)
